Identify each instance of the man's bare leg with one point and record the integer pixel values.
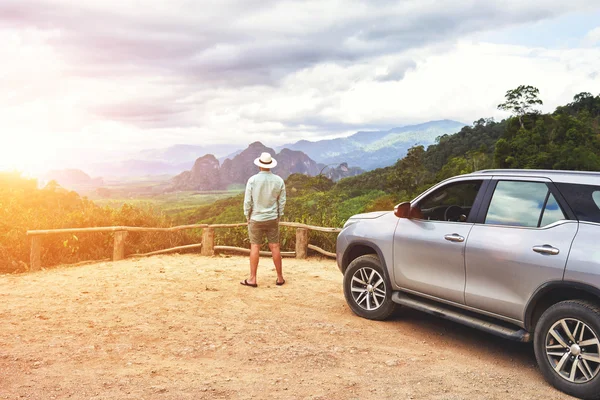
(254, 255)
(276, 252)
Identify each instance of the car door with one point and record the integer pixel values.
(429, 249)
(584, 259)
(523, 240)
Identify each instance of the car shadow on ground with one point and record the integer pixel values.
(484, 344)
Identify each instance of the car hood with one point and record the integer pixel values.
(370, 215)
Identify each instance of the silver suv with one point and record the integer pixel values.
(512, 252)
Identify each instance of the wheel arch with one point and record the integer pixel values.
(553, 292)
(361, 248)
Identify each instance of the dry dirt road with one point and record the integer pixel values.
(182, 327)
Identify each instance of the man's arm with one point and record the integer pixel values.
(248, 200)
(281, 201)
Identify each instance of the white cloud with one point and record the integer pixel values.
(465, 82)
(593, 37)
(112, 76)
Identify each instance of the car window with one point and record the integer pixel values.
(526, 204)
(452, 202)
(584, 200)
(552, 211)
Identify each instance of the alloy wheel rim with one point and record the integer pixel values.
(368, 289)
(573, 350)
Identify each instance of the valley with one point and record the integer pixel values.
(171, 204)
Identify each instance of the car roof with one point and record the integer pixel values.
(577, 177)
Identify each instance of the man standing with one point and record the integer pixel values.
(263, 206)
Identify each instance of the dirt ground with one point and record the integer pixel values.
(182, 327)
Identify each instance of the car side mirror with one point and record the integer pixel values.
(402, 210)
(407, 210)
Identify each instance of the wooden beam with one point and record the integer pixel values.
(171, 229)
(119, 246)
(114, 229)
(247, 251)
(172, 249)
(320, 250)
(311, 227)
(228, 225)
(301, 242)
(208, 238)
(208, 242)
(35, 256)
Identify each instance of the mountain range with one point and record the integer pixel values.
(208, 174)
(375, 149)
(215, 167)
(164, 161)
(72, 178)
(364, 149)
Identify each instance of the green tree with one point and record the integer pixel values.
(585, 101)
(409, 173)
(583, 96)
(521, 101)
(470, 162)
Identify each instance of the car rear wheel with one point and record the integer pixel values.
(367, 290)
(567, 347)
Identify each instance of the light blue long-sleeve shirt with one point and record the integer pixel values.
(265, 197)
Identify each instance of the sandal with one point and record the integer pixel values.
(245, 283)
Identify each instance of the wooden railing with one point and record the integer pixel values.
(207, 246)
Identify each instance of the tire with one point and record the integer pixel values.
(369, 295)
(567, 347)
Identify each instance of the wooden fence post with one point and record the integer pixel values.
(119, 246)
(301, 242)
(35, 259)
(208, 242)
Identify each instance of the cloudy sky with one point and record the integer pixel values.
(114, 75)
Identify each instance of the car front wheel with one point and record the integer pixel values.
(367, 290)
(567, 347)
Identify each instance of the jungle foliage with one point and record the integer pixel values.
(568, 138)
(23, 206)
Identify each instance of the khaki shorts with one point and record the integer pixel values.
(257, 230)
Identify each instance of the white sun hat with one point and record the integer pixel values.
(265, 161)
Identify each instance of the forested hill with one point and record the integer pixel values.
(568, 138)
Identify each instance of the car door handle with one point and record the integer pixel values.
(455, 237)
(546, 249)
